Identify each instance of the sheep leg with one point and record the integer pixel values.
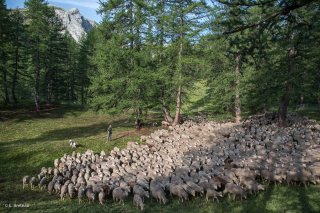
(305, 184)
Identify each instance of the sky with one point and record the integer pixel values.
(87, 7)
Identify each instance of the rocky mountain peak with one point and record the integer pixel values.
(75, 23)
(74, 11)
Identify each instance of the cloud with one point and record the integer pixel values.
(93, 4)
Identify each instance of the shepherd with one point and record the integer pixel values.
(109, 132)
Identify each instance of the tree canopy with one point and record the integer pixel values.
(147, 55)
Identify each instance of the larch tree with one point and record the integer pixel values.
(37, 28)
(264, 17)
(4, 47)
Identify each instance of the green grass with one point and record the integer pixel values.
(29, 141)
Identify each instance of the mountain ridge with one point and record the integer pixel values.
(74, 22)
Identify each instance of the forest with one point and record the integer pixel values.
(164, 106)
(248, 56)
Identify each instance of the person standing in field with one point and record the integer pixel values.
(109, 132)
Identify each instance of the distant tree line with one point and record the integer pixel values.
(253, 56)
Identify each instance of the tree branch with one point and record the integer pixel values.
(283, 11)
(244, 3)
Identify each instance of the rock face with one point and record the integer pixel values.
(74, 22)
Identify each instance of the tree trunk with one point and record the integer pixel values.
(5, 86)
(48, 87)
(178, 107)
(15, 74)
(283, 108)
(165, 111)
(237, 102)
(285, 99)
(72, 96)
(179, 70)
(13, 89)
(138, 121)
(82, 93)
(166, 115)
(37, 82)
(48, 76)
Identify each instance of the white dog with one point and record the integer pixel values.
(72, 143)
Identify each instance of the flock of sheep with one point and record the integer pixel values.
(192, 159)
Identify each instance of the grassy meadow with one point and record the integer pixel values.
(29, 142)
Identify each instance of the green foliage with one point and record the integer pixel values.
(146, 51)
(40, 61)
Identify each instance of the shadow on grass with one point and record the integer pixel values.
(23, 114)
(69, 133)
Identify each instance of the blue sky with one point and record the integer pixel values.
(87, 7)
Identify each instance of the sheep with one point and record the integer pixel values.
(292, 176)
(74, 179)
(251, 185)
(63, 191)
(119, 194)
(50, 186)
(44, 170)
(261, 187)
(41, 175)
(211, 193)
(195, 158)
(81, 193)
(96, 188)
(157, 192)
(57, 187)
(90, 194)
(101, 196)
(56, 171)
(189, 189)
(42, 183)
(25, 180)
(50, 171)
(235, 190)
(198, 189)
(138, 201)
(33, 181)
(71, 190)
(137, 189)
(179, 191)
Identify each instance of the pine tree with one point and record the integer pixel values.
(54, 52)
(18, 52)
(279, 18)
(122, 77)
(4, 46)
(185, 25)
(37, 30)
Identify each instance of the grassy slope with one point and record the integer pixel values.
(28, 142)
